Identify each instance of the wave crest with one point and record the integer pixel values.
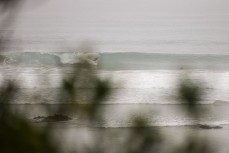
(46, 59)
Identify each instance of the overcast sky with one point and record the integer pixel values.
(129, 25)
(128, 6)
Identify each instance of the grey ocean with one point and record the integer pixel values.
(144, 55)
(142, 84)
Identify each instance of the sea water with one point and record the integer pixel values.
(148, 90)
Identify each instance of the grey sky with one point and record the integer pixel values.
(127, 6)
(127, 25)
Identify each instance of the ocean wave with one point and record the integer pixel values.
(52, 102)
(205, 125)
(46, 59)
(117, 61)
(154, 61)
(194, 124)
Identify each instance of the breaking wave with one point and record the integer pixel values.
(46, 59)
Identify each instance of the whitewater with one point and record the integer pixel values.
(141, 83)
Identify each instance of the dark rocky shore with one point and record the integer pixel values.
(52, 118)
(207, 127)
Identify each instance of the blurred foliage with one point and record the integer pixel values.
(25, 137)
(8, 4)
(195, 144)
(18, 135)
(190, 93)
(143, 138)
